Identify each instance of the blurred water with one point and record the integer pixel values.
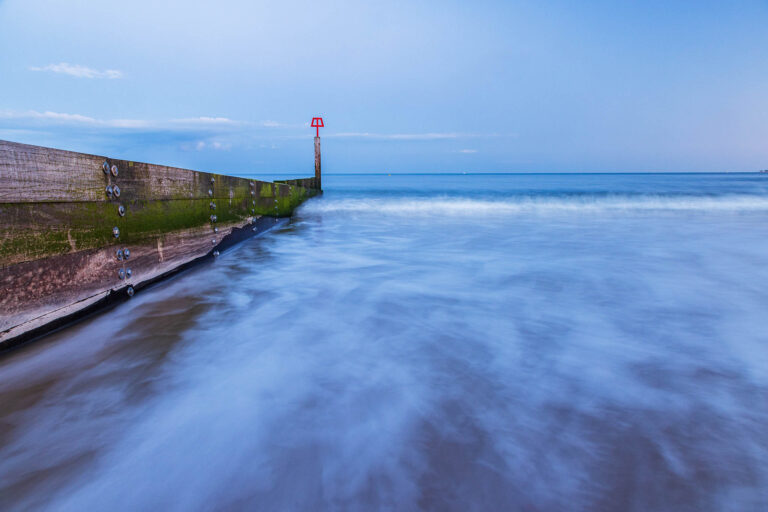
(458, 342)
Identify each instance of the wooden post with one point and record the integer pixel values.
(317, 164)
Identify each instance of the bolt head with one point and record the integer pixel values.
(126, 253)
(121, 210)
(119, 255)
(213, 205)
(210, 192)
(116, 191)
(213, 241)
(129, 291)
(108, 190)
(215, 229)
(113, 170)
(121, 274)
(116, 231)
(253, 193)
(215, 253)
(213, 218)
(212, 180)
(128, 272)
(105, 167)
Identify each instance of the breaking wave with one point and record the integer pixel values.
(459, 206)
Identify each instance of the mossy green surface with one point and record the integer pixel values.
(35, 230)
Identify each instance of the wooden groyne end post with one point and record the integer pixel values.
(317, 123)
(318, 179)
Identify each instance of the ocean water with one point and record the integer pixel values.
(449, 342)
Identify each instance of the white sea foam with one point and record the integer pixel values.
(541, 204)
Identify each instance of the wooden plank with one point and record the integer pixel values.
(37, 288)
(37, 174)
(33, 173)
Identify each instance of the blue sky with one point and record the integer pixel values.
(475, 86)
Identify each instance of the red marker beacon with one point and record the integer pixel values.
(317, 123)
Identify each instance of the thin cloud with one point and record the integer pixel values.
(395, 136)
(202, 145)
(79, 71)
(203, 133)
(415, 136)
(206, 121)
(467, 151)
(49, 117)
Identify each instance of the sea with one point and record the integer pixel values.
(454, 342)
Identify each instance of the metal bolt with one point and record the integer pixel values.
(213, 241)
(116, 231)
(105, 167)
(121, 274)
(116, 191)
(213, 205)
(210, 192)
(121, 210)
(213, 218)
(253, 202)
(119, 255)
(253, 211)
(114, 170)
(251, 183)
(215, 229)
(126, 253)
(108, 190)
(212, 180)
(128, 272)
(215, 253)
(129, 291)
(253, 193)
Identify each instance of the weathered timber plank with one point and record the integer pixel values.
(37, 174)
(309, 183)
(39, 288)
(33, 173)
(32, 231)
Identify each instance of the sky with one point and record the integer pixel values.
(418, 86)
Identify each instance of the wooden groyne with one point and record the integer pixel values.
(80, 231)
